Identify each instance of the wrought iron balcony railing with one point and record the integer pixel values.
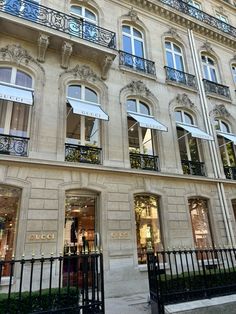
(188, 9)
(13, 145)
(137, 63)
(59, 21)
(145, 162)
(180, 77)
(230, 172)
(85, 154)
(215, 88)
(195, 168)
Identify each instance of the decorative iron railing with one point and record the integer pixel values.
(145, 162)
(185, 275)
(65, 284)
(196, 168)
(59, 21)
(215, 88)
(188, 9)
(86, 154)
(180, 77)
(230, 172)
(13, 145)
(137, 63)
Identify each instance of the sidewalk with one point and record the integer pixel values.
(134, 304)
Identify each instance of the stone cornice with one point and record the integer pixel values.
(177, 17)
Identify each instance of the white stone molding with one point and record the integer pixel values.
(43, 42)
(66, 52)
(172, 32)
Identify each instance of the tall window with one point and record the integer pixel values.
(233, 67)
(9, 206)
(133, 41)
(174, 56)
(188, 145)
(209, 68)
(82, 129)
(140, 138)
(200, 223)
(84, 13)
(148, 232)
(14, 115)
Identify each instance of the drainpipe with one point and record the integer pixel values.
(212, 144)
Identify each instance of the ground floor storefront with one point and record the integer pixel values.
(68, 210)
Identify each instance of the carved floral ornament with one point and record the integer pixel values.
(207, 47)
(182, 100)
(133, 15)
(172, 32)
(18, 55)
(220, 111)
(138, 88)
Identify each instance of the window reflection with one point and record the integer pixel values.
(148, 231)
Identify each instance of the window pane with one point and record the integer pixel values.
(177, 49)
(213, 75)
(224, 127)
(181, 134)
(187, 118)
(9, 205)
(210, 61)
(200, 223)
(170, 61)
(126, 29)
(137, 33)
(231, 154)
(127, 47)
(74, 91)
(138, 48)
(131, 105)
(133, 136)
(23, 79)
(76, 10)
(147, 147)
(90, 15)
(206, 73)
(178, 116)
(148, 231)
(90, 95)
(73, 125)
(5, 75)
(3, 109)
(143, 108)
(168, 45)
(91, 131)
(193, 148)
(179, 63)
(19, 120)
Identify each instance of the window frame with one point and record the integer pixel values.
(233, 70)
(132, 40)
(208, 66)
(83, 15)
(174, 54)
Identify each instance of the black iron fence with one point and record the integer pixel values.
(180, 77)
(13, 145)
(64, 284)
(230, 172)
(142, 161)
(196, 168)
(215, 88)
(85, 154)
(185, 275)
(137, 63)
(62, 22)
(184, 7)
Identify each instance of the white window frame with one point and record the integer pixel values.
(82, 118)
(233, 69)
(174, 53)
(132, 39)
(7, 124)
(82, 15)
(208, 67)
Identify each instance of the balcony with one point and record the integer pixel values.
(179, 77)
(84, 154)
(137, 63)
(145, 162)
(191, 11)
(217, 89)
(42, 25)
(230, 172)
(14, 145)
(195, 168)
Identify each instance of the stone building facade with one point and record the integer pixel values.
(117, 122)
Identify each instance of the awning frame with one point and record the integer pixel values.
(12, 91)
(135, 114)
(224, 134)
(186, 127)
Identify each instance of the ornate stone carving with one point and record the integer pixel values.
(220, 111)
(133, 15)
(43, 42)
(66, 52)
(183, 101)
(138, 88)
(18, 55)
(83, 72)
(207, 47)
(106, 66)
(172, 32)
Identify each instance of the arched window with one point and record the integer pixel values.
(233, 67)
(227, 141)
(174, 56)
(133, 47)
(84, 13)
(209, 68)
(187, 134)
(148, 230)
(200, 223)
(15, 103)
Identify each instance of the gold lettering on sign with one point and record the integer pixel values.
(41, 236)
(119, 235)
